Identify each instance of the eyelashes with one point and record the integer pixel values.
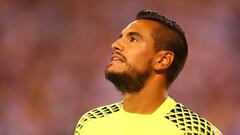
(132, 39)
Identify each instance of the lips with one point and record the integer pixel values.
(117, 58)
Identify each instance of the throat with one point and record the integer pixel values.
(142, 103)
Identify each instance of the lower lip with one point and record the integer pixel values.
(116, 61)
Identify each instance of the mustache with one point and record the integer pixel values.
(123, 57)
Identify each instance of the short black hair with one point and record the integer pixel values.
(173, 39)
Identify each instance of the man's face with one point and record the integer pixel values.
(131, 61)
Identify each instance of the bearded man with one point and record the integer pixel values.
(146, 58)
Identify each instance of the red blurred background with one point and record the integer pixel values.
(53, 53)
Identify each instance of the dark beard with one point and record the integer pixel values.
(129, 81)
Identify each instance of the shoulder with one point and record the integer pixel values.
(97, 113)
(190, 122)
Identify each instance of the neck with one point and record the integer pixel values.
(151, 96)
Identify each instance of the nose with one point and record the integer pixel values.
(117, 45)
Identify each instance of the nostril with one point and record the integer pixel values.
(117, 46)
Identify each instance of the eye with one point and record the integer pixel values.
(132, 39)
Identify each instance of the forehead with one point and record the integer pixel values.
(142, 26)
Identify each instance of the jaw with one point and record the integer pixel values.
(117, 67)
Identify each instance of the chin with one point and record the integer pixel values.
(116, 67)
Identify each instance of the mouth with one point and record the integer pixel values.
(117, 58)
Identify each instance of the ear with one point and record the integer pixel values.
(163, 60)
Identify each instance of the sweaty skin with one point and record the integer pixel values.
(137, 46)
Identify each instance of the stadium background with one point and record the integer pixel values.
(53, 52)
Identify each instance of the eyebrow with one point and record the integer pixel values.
(132, 34)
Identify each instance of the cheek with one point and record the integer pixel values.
(140, 63)
(140, 56)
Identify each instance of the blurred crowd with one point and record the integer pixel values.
(53, 53)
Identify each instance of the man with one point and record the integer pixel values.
(147, 57)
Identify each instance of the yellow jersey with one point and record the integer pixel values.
(170, 118)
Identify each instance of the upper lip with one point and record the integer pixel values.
(117, 55)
